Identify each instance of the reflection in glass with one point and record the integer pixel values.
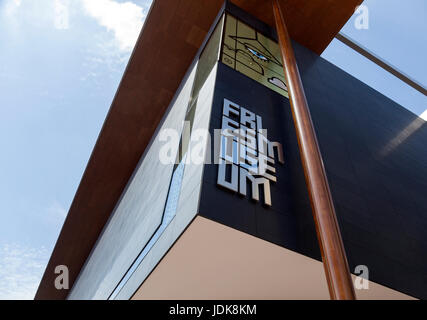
(168, 215)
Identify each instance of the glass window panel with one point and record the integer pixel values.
(253, 54)
(208, 59)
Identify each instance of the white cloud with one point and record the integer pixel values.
(124, 19)
(424, 115)
(11, 6)
(55, 214)
(61, 15)
(21, 269)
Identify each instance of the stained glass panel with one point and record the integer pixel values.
(253, 54)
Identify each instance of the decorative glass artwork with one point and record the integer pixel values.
(253, 54)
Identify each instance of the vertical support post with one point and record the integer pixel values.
(331, 246)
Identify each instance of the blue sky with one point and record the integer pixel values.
(61, 63)
(396, 33)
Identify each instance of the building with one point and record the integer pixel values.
(239, 223)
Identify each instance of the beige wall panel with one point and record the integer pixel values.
(213, 261)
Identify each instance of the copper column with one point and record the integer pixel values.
(332, 249)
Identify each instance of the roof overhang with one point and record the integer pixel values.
(171, 36)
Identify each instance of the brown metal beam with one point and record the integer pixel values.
(381, 63)
(331, 246)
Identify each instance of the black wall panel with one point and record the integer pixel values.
(279, 223)
(375, 155)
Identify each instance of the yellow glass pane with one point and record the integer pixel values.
(230, 32)
(253, 54)
(229, 61)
